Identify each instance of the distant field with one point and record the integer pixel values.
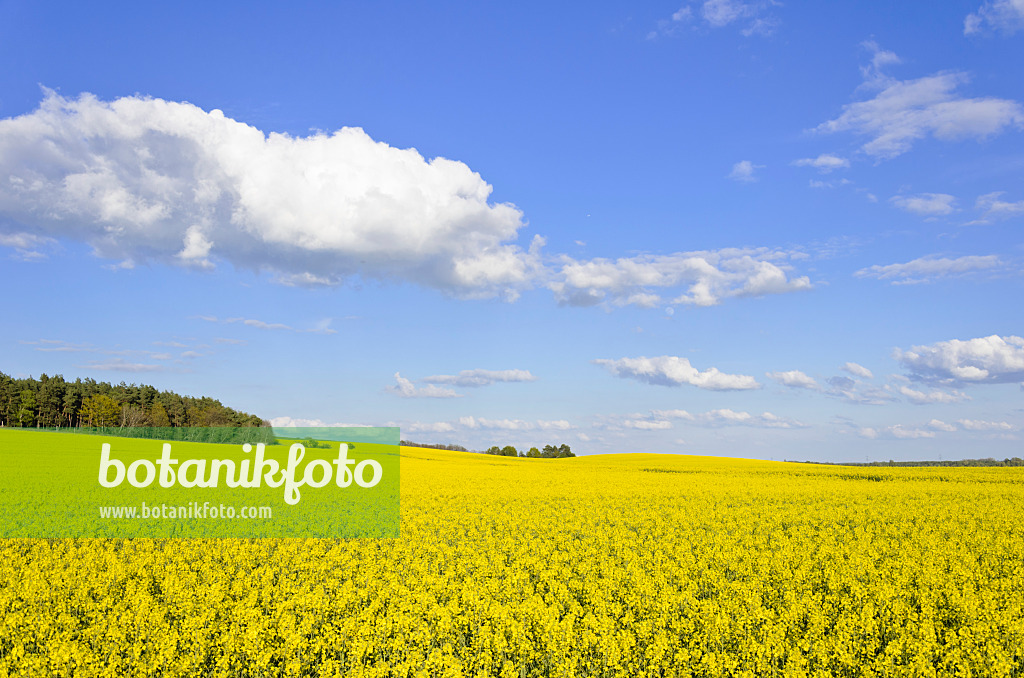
(618, 565)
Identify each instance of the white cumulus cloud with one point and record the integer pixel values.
(931, 397)
(854, 391)
(648, 424)
(427, 427)
(902, 112)
(980, 425)
(984, 360)
(674, 371)
(145, 179)
(1004, 16)
(405, 388)
(857, 370)
(292, 422)
(727, 417)
(702, 278)
(795, 379)
(514, 424)
(897, 432)
(824, 163)
(925, 204)
(995, 208)
(744, 171)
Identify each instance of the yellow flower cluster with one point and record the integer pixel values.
(626, 565)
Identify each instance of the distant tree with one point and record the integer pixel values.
(54, 402)
(564, 451)
(549, 452)
(533, 453)
(493, 449)
(71, 405)
(26, 412)
(133, 415)
(509, 451)
(8, 398)
(100, 410)
(158, 415)
(50, 400)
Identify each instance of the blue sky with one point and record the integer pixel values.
(755, 229)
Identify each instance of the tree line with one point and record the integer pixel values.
(989, 461)
(432, 446)
(53, 402)
(549, 452)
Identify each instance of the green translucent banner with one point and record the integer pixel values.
(200, 482)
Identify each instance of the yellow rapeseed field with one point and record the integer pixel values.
(622, 565)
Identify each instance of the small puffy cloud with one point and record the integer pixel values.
(290, 422)
(1003, 16)
(647, 424)
(673, 414)
(857, 370)
(979, 425)
(930, 268)
(903, 112)
(750, 15)
(984, 360)
(727, 417)
(406, 389)
(794, 379)
(853, 391)
(427, 427)
(514, 424)
(674, 371)
(939, 425)
(702, 278)
(868, 432)
(931, 397)
(145, 179)
(473, 378)
(925, 204)
(899, 431)
(880, 58)
(753, 18)
(896, 432)
(824, 163)
(744, 171)
(554, 425)
(994, 208)
(26, 245)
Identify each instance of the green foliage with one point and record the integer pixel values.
(26, 408)
(550, 452)
(52, 402)
(100, 410)
(989, 461)
(445, 446)
(158, 415)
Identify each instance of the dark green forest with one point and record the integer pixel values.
(53, 402)
(549, 452)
